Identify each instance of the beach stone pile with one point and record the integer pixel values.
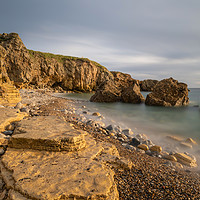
(62, 162)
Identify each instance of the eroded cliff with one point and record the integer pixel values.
(29, 68)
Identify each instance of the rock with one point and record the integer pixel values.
(148, 85)
(107, 92)
(191, 141)
(132, 94)
(143, 147)
(10, 127)
(1, 151)
(185, 160)
(42, 70)
(185, 145)
(8, 116)
(19, 105)
(175, 138)
(121, 88)
(58, 135)
(83, 106)
(168, 92)
(156, 148)
(127, 132)
(148, 152)
(24, 109)
(8, 132)
(85, 112)
(170, 157)
(148, 143)
(110, 127)
(96, 114)
(178, 165)
(134, 142)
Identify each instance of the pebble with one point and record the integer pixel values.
(8, 132)
(127, 131)
(134, 142)
(24, 109)
(156, 148)
(96, 114)
(185, 145)
(191, 141)
(143, 147)
(85, 112)
(110, 127)
(2, 151)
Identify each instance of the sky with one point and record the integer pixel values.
(149, 39)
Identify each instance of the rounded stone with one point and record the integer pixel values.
(143, 147)
(156, 148)
(96, 114)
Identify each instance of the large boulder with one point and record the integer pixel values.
(107, 92)
(123, 88)
(168, 92)
(132, 95)
(148, 85)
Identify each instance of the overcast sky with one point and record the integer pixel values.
(147, 38)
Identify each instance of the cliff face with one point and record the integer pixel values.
(35, 69)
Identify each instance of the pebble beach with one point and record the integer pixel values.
(151, 176)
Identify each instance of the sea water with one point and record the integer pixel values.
(150, 120)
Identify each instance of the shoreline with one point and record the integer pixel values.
(150, 176)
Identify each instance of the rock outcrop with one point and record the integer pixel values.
(148, 85)
(123, 88)
(29, 68)
(47, 158)
(168, 92)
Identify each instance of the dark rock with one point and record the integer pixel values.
(134, 142)
(110, 127)
(132, 94)
(148, 85)
(168, 92)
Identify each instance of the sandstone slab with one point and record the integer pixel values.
(48, 133)
(185, 160)
(62, 175)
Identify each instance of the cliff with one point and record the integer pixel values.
(27, 68)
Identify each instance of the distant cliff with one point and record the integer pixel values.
(38, 70)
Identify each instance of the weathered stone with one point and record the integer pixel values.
(58, 135)
(143, 147)
(47, 70)
(96, 114)
(185, 160)
(175, 138)
(107, 92)
(168, 92)
(148, 85)
(170, 157)
(132, 94)
(134, 142)
(8, 116)
(185, 145)
(156, 148)
(191, 141)
(127, 131)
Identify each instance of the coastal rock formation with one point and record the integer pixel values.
(29, 68)
(123, 88)
(62, 162)
(148, 85)
(168, 92)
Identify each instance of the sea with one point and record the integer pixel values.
(181, 121)
(153, 121)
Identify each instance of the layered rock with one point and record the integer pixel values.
(168, 92)
(148, 85)
(123, 88)
(35, 69)
(37, 164)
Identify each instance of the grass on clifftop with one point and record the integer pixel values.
(61, 58)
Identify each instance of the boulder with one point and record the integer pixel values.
(168, 92)
(107, 92)
(148, 85)
(185, 159)
(122, 88)
(132, 94)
